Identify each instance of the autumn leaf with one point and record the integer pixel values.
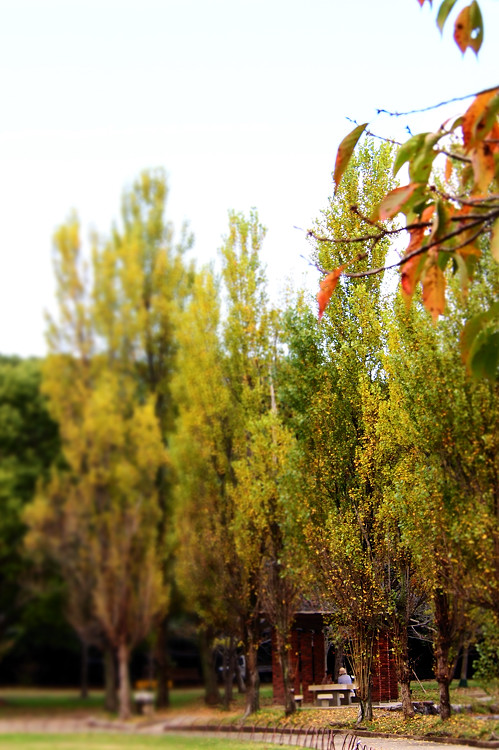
(443, 13)
(327, 287)
(411, 273)
(434, 288)
(411, 270)
(494, 242)
(480, 118)
(394, 201)
(468, 29)
(345, 151)
(483, 162)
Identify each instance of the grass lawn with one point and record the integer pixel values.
(120, 742)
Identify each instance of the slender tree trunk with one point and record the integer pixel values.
(241, 686)
(84, 670)
(111, 697)
(443, 671)
(124, 686)
(463, 682)
(252, 676)
(365, 708)
(283, 651)
(227, 675)
(162, 664)
(211, 691)
(361, 654)
(401, 647)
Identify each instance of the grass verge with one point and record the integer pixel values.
(119, 742)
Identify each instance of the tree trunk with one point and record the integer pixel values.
(443, 672)
(227, 675)
(405, 694)
(463, 682)
(289, 698)
(241, 685)
(252, 676)
(162, 665)
(124, 686)
(84, 670)
(401, 648)
(211, 691)
(445, 709)
(111, 697)
(365, 708)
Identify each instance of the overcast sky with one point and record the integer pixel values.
(243, 102)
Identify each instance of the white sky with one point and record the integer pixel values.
(243, 102)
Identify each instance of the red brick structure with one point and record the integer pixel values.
(308, 661)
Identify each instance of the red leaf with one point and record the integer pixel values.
(327, 287)
(345, 151)
(411, 270)
(393, 201)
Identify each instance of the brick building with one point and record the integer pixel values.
(309, 661)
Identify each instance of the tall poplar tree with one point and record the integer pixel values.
(334, 386)
(444, 484)
(140, 287)
(107, 379)
(206, 566)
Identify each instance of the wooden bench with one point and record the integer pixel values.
(298, 700)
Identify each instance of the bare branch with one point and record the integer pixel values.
(435, 106)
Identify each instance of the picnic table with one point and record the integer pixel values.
(332, 694)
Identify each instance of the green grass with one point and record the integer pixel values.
(121, 742)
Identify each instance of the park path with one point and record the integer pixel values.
(187, 724)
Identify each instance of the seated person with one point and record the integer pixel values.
(343, 677)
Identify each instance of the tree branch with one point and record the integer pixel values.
(435, 106)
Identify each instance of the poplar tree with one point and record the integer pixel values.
(335, 385)
(107, 380)
(443, 484)
(140, 287)
(206, 567)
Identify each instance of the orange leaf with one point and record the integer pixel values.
(468, 29)
(474, 124)
(327, 287)
(434, 289)
(345, 151)
(482, 160)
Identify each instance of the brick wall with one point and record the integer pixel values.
(308, 660)
(385, 685)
